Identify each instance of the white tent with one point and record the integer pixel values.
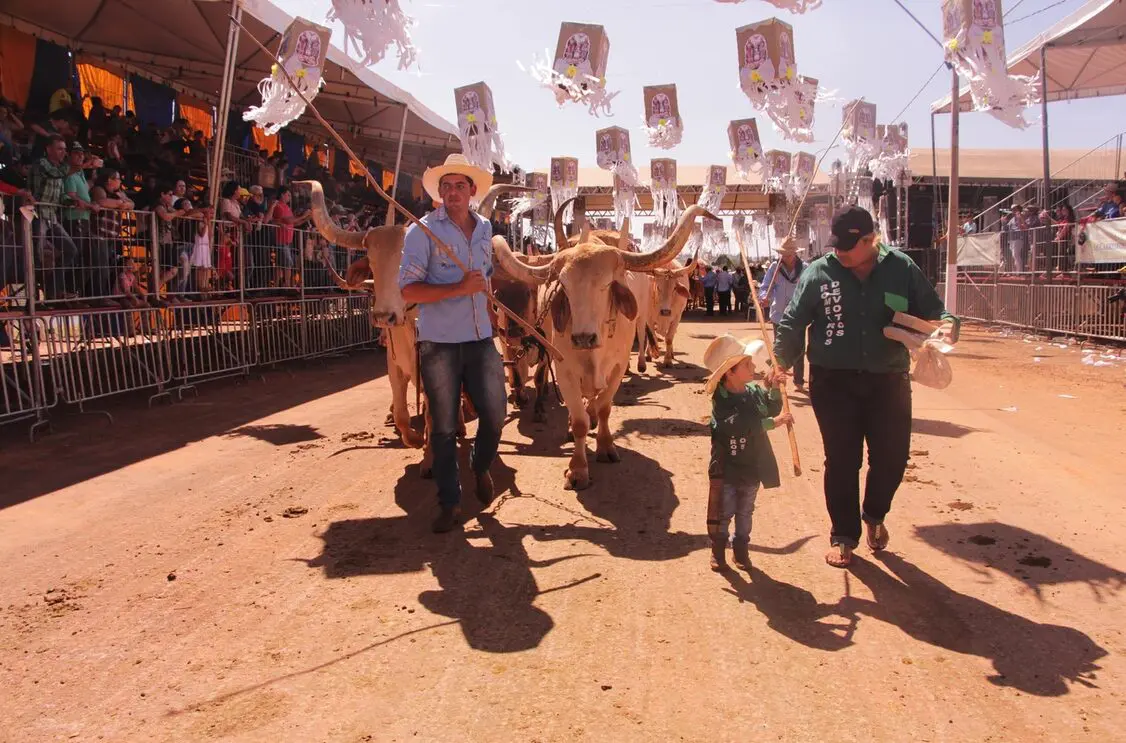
(1084, 55)
(184, 44)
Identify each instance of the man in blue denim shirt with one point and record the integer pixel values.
(455, 332)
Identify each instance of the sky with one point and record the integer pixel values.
(856, 48)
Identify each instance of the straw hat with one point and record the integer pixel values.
(725, 352)
(789, 247)
(456, 163)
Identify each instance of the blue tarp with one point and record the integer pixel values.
(53, 70)
(293, 147)
(152, 102)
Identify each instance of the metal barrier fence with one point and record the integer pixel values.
(209, 341)
(1092, 311)
(26, 390)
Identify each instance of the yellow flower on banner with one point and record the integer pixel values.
(755, 77)
(602, 82)
(626, 157)
(471, 117)
(953, 44)
(572, 71)
(302, 73)
(789, 73)
(662, 122)
(987, 37)
(273, 69)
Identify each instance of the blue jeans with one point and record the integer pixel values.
(738, 502)
(446, 368)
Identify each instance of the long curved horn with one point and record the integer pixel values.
(672, 247)
(686, 271)
(518, 270)
(325, 225)
(624, 236)
(561, 236)
(488, 204)
(343, 284)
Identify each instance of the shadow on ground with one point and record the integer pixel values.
(942, 429)
(1021, 554)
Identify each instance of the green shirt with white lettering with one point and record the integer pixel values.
(846, 317)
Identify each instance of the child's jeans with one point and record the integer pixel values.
(727, 501)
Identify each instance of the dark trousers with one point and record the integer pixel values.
(725, 302)
(853, 408)
(709, 299)
(447, 368)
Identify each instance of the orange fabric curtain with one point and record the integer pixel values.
(198, 115)
(416, 188)
(267, 142)
(388, 181)
(354, 168)
(99, 82)
(17, 63)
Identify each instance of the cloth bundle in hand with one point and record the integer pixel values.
(928, 350)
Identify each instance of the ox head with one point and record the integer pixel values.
(592, 276)
(671, 286)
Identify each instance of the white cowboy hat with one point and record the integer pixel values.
(456, 163)
(725, 352)
(789, 247)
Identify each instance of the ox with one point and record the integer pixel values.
(670, 297)
(384, 254)
(595, 300)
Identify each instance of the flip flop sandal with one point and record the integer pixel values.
(843, 558)
(878, 537)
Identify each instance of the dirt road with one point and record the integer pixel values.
(255, 564)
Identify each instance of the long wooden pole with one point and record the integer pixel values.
(770, 348)
(392, 203)
(951, 298)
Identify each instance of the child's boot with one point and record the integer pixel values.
(719, 557)
(742, 555)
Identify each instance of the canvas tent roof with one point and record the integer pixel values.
(1086, 56)
(182, 43)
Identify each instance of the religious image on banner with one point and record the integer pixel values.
(768, 76)
(794, 6)
(577, 72)
(371, 27)
(711, 197)
(746, 147)
(663, 186)
(564, 183)
(663, 125)
(974, 38)
(301, 54)
(481, 142)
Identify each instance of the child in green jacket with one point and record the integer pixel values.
(742, 459)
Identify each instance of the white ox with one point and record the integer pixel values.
(670, 297)
(593, 325)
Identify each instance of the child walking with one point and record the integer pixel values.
(742, 459)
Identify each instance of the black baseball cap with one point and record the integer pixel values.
(849, 226)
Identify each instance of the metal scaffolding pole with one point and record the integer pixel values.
(219, 142)
(399, 155)
(951, 298)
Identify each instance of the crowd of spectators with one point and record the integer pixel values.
(94, 177)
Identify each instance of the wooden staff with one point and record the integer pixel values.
(770, 347)
(379, 189)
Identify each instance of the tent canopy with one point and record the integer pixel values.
(182, 44)
(1086, 56)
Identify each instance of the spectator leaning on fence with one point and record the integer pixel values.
(281, 215)
(1018, 239)
(46, 181)
(77, 214)
(112, 203)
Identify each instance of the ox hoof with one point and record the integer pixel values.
(389, 420)
(642, 366)
(413, 439)
(426, 472)
(576, 481)
(610, 456)
(520, 399)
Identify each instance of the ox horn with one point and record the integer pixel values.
(672, 247)
(687, 270)
(488, 204)
(516, 268)
(624, 236)
(561, 240)
(328, 228)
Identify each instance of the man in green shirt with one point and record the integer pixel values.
(860, 385)
(46, 181)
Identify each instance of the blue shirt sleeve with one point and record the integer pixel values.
(416, 257)
(766, 278)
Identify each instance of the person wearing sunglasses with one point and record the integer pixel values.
(860, 385)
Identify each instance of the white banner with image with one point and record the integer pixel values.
(1101, 242)
(980, 250)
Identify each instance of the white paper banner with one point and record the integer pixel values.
(1102, 242)
(980, 250)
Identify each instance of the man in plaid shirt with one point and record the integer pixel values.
(46, 183)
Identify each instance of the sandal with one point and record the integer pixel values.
(839, 556)
(878, 537)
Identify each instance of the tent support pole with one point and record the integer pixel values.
(222, 113)
(399, 154)
(1046, 204)
(936, 201)
(951, 298)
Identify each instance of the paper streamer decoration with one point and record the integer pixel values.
(859, 134)
(481, 142)
(711, 197)
(768, 75)
(372, 26)
(613, 154)
(974, 37)
(802, 167)
(794, 6)
(564, 184)
(301, 53)
(781, 219)
(713, 236)
(819, 227)
(663, 124)
(578, 71)
(666, 201)
(535, 201)
(776, 176)
(746, 147)
(893, 161)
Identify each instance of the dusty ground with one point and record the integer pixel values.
(255, 564)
